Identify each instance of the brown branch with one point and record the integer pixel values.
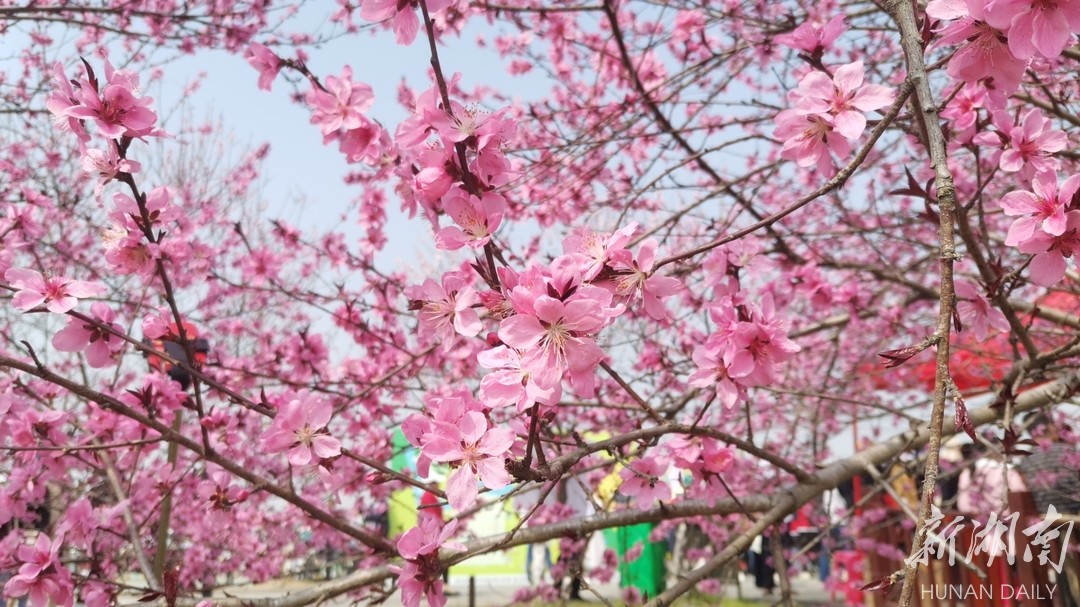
(836, 182)
(784, 500)
(107, 402)
(903, 12)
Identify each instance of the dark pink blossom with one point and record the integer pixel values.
(98, 344)
(813, 37)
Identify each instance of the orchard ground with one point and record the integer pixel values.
(490, 592)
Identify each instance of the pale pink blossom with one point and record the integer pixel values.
(128, 252)
(477, 128)
(844, 97)
(446, 309)
(300, 428)
(510, 383)
(58, 294)
(809, 138)
(341, 104)
(115, 108)
(643, 480)
(976, 312)
(62, 100)
(474, 450)
(476, 219)
(813, 37)
(963, 108)
(639, 278)
(428, 537)
(106, 165)
(265, 61)
(719, 367)
(1043, 208)
(985, 52)
(1027, 147)
(157, 205)
(598, 247)
(1043, 27)
(403, 12)
(1048, 266)
(715, 457)
(556, 336)
(219, 495)
(41, 576)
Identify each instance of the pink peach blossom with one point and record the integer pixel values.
(475, 450)
(1043, 208)
(99, 344)
(57, 293)
(266, 62)
(300, 428)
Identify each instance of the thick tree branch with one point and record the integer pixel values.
(903, 12)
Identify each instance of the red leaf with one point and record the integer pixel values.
(880, 585)
(963, 421)
(899, 356)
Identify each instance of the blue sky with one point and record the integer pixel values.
(303, 177)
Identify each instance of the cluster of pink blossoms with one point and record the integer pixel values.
(339, 110)
(647, 480)
(828, 115)
(457, 431)
(120, 115)
(1000, 37)
(436, 139)
(549, 315)
(421, 575)
(41, 577)
(1047, 225)
(743, 351)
